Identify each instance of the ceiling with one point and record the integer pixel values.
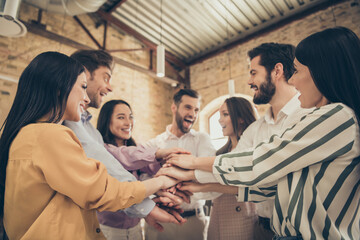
(194, 29)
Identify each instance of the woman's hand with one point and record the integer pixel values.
(177, 173)
(165, 152)
(193, 187)
(181, 160)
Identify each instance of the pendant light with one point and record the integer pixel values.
(160, 51)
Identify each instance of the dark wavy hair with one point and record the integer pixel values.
(184, 92)
(333, 59)
(93, 59)
(43, 89)
(103, 123)
(273, 53)
(239, 108)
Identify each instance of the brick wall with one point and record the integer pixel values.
(211, 76)
(149, 98)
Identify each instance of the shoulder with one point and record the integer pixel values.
(335, 112)
(47, 132)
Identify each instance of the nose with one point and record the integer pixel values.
(86, 98)
(250, 81)
(108, 87)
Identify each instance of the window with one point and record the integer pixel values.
(216, 134)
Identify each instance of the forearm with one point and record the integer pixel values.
(204, 163)
(217, 187)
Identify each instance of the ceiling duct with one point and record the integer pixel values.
(10, 26)
(69, 7)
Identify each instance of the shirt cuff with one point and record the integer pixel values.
(205, 177)
(140, 210)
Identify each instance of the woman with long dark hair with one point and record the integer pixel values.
(49, 189)
(230, 219)
(115, 123)
(315, 164)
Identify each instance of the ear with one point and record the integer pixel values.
(278, 71)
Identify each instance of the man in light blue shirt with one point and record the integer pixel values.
(98, 66)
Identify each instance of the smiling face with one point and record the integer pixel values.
(302, 80)
(186, 113)
(225, 121)
(260, 82)
(77, 100)
(121, 123)
(98, 85)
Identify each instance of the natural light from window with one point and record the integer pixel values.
(216, 134)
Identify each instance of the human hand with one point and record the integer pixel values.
(158, 215)
(192, 187)
(165, 152)
(177, 173)
(169, 199)
(185, 161)
(166, 181)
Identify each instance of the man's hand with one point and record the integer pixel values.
(177, 173)
(158, 215)
(185, 161)
(167, 198)
(165, 152)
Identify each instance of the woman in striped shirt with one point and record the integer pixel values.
(313, 167)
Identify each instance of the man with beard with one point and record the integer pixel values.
(271, 66)
(185, 109)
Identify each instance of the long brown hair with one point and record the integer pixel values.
(239, 108)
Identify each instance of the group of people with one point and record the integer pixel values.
(292, 174)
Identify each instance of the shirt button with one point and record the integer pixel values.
(238, 208)
(98, 230)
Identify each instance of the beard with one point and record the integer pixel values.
(179, 122)
(266, 92)
(94, 100)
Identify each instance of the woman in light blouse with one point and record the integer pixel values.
(49, 188)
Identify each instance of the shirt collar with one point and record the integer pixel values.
(170, 135)
(289, 108)
(86, 116)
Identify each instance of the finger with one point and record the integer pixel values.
(177, 216)
(183, 196)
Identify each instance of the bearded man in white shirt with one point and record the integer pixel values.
(271, 66)
(185, 109)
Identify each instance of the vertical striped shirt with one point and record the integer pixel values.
(315, 166)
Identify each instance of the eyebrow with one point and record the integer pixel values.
(109, 75)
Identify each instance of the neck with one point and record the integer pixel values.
(119, 142)
(234, 142)
(284, 93)
(175, 130)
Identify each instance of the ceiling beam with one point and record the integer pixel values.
(41, 31)
(115, 6)
(111, 19)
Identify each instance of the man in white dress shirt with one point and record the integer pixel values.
(271, 67)
(185, 109)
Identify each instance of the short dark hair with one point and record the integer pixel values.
(273, 53)
(44, 87)
(333, 59)
(103, 123)
(238, 108)
(188, 92)
(93, 59)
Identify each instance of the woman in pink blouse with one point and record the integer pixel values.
(115, 124)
